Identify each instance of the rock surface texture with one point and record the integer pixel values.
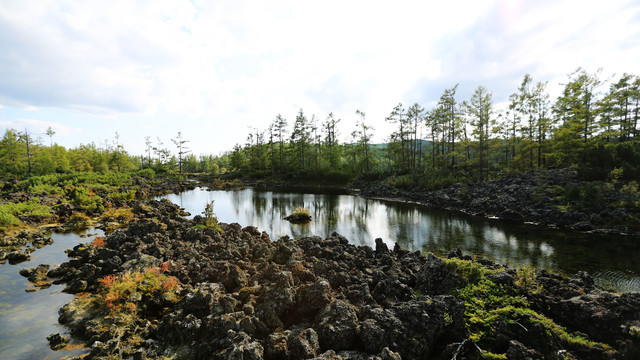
(244, 296)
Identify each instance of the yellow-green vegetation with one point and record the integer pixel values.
(226, 184)
(122, 215)
(526, 279)
(210, 219)
(79, 219)
(488, 303)
(120, 297)
(300, 211)
(124, 195)
(86, 199)
(31, 210)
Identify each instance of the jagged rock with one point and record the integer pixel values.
(337, 325)
(57, 341)
(16, 257)
(435, 278)
(304, 345)
(298, 218)
(39, 273)
(244, 296)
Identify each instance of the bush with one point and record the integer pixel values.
(147, 173)
(122, 215)
(31, 209)
(127, 196)
(79, 219)
(7, 219)
(122, 297)
(84, 198)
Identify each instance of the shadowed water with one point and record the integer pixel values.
(418, 228)
(27, 318)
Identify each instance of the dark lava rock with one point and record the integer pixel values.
(435, 278)
(57, 341)
(243, 296)
(35, 274)
(298, 218)
(18, 256)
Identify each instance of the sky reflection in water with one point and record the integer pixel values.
(417, 228)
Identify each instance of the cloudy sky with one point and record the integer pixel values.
(212, 69)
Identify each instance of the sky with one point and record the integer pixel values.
(214, 70)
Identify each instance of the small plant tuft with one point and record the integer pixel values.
(210, 219)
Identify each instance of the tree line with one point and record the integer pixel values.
(24, 154)
(592, 126)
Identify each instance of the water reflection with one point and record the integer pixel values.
(417, 228)
(27, 318)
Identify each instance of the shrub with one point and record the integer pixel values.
(7, 219)
(300, 211)
(127, 196)
(98, 242)
(31, 209)
(84, 198)
(210, 219)
(79, 219)
(122, 295)
(147, 173)
(122, 215)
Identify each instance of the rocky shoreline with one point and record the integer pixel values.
(536, 197)
(17, 246)
(239, 295)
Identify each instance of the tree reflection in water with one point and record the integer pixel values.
(417, 228)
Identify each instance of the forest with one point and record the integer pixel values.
(592, 127)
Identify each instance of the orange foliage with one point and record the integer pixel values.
(98, 242)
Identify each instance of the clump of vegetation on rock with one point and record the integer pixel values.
(210, 219)
(125, 297)
(492, 304)
(300, 215)
(32, 210)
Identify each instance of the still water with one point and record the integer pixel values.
(27, 318)
(419, 228)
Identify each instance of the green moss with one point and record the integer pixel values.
(491, 356)
(488, 303)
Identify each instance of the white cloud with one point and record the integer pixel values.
(240, 63)
(39, 127)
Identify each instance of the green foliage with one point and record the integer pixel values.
(401, 181)
(122, 215)
(487, 355)
(526, 279)
(488, 304)
(122, 297)
(31, 210)
(146, 173)
(300, 211)
(84, 198)
(471, 271)
(127, 196)
(210, 219)
(7, 219)
(78, 219)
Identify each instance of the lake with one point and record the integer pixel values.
(608, 258)
(27, 318)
